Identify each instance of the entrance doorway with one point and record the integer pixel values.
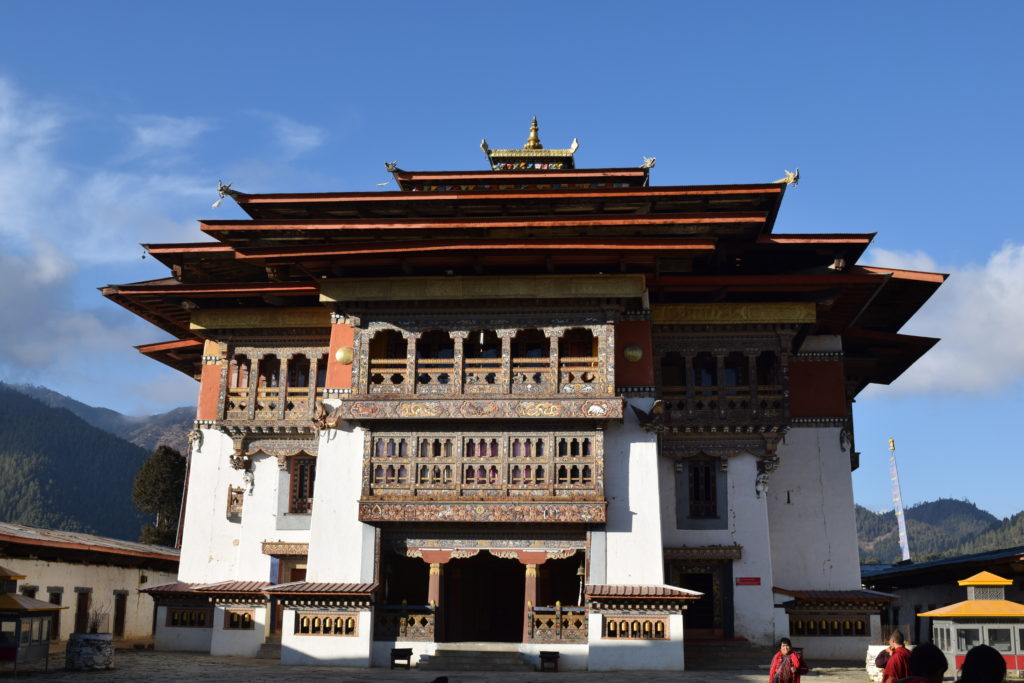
(710, 616)
(483, 599)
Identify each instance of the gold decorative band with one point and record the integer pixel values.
(733, 314)
(476, 288)
(242, 318)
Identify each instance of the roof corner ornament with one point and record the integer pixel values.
(649, 162)
(533, 142)
(791, 178)
(484, 147)
(222, 192)
(574, 146)
(391, 167)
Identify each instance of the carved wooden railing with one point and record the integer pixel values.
(483, 376)
(579, 375)
(557, 624)
(758, 402)
(531, 375)
(404, 622)
(271, 403)
(388, 376)
(435, 376)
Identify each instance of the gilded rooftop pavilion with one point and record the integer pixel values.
(540, 405)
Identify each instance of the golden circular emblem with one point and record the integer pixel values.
(344, 355)
(633, 353)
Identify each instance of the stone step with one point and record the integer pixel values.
(270, 649)
(726, 654)
(474, 660)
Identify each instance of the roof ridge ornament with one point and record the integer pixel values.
(533, 142)
(791, 178)
(224, 191)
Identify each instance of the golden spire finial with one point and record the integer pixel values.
(533, 142)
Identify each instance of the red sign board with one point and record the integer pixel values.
(748, 580)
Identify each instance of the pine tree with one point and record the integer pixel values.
(158, 489)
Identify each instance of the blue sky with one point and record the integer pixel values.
(117, 119)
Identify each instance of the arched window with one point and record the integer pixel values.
(298, 371)
(239, 378)
(673, 373)
(737, 372)
(387, 359)
(269, 372)
(705, 370)
(482, 344)
(767, 369)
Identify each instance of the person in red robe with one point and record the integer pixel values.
(898, 665)
(787, 665)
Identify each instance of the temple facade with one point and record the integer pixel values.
(554, 407)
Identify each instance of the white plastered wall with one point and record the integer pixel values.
(754, 617)
(215, 548)
(335, 650)
(103, 580)
(811, 514)
(609, 654)
(240, 643)
(172, 639)
(341, 548)
(632, 536)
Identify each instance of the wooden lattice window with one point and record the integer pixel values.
(326, 624)
(635, 628)
(703, 488)
(239, 619)
(303, 476)
(189, 617)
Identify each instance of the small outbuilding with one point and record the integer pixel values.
(986, 617)
(25, 623)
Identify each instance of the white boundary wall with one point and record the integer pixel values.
(607, 654)
(327, 650)
(237, 642)
(184, 639)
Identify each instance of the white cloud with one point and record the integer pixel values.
(162, 135)
(979, 316)
(294, 138)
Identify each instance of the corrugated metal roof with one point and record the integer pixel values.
(232, 587)
(17, 533)
(10, 575)
(858, 595)
(634, 591)
(315, 587)
(9, 602)
(166, 588)
(980, 609)
(900, 569)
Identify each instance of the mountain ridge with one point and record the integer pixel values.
(147, 431)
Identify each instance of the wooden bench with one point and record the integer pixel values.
(401, 657)
(548, 658)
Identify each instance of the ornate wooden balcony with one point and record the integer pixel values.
(274, 384)
(528, 476)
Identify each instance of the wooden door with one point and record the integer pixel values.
(82, 612)
(120, 610)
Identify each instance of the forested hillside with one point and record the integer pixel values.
(57, 471)
(936, 529)
(168, 428)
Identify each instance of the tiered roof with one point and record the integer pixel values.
(693, 244)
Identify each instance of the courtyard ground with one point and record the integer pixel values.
(147, 665)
